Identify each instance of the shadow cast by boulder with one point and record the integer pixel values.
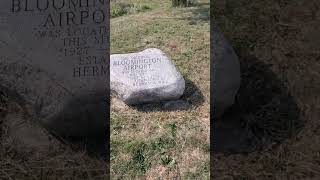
(95, 146)
(31, 136)
(85, 114)
(191, 98)
(264, 113)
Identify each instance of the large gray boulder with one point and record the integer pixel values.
(226, 73)
(146, 76)
(59, 71)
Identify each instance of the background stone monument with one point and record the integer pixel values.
(55, 56)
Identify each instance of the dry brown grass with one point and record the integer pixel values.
(147, 140)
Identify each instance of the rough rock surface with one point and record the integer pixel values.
(65, 106)
(67, 92)
(225, 71)
(146, 76)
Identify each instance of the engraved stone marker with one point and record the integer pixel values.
(147, 76)
(54, 54)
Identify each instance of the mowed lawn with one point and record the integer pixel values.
(148, 141)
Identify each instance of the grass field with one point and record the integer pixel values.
(278, 45)
(147, 141)
(277, 110)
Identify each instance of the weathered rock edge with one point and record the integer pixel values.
(131, 95)
(225, 72)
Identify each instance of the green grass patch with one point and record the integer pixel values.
(142, 154)
(155, 143)
(118, 9)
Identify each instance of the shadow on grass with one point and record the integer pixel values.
(191, 98)
(96, 141)
(86, 118)
(264, 113)
(95, 144)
